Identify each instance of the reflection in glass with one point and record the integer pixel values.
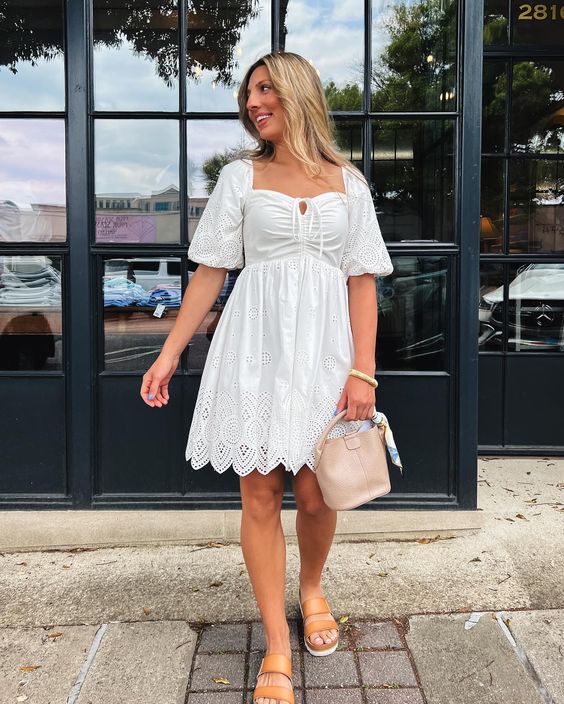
(349, 140)
(32, 69)
(223, 39)
(211, 145)
(494, 106)
(412, 176)
(330, 34)
(491, 307)
(414, 50)
(537, 107)
(496, 22)
(142, 296)
(536, 307)
(135, 55)
(491, 218)
(141, 301)
(536, 206)
(137, 177)
(412, 315)
(32, 181)
(30, 313)
(537, 24)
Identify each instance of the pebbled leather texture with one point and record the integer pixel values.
(352, 469)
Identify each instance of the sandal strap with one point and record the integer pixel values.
(316, 626)
(317, 605)
(276, 662)
(280, 693)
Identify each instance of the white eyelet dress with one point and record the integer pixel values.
(280, 355)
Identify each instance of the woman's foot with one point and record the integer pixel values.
(278, 675)
(317, 612)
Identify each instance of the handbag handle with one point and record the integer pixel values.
(329, 427)
(378, 419)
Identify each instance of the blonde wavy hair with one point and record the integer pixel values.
(308, 131)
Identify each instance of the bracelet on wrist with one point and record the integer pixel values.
(365, 377)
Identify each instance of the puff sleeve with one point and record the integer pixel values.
(365, 251)
(218, 239)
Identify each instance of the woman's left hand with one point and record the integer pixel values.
(359, 398)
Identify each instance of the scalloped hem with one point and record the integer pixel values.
(308, 462)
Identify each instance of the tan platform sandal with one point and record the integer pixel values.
(280, 664)
(315, 607)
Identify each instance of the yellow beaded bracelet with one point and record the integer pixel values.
(361, 375)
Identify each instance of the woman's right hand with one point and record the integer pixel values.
(154, 388)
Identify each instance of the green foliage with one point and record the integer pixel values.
(347, 98)
(418, 63)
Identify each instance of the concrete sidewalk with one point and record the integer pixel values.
(471, 618)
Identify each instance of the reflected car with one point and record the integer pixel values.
(536, 310)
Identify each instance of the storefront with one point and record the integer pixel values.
(115, 118)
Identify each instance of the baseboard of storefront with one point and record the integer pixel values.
(42, 530)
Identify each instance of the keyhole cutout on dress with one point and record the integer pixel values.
(303, 207)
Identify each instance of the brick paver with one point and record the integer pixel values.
(384, 635)
(372, 666)
(394, 696)
(224, 638)
(391, 668)
(207, 668)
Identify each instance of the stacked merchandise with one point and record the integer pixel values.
(32, 283)
(119, 291)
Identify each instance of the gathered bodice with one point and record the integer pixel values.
(274, 226)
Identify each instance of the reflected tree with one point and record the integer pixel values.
(150, 26)
(419, 60)
(347, 98)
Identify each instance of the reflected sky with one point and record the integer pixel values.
(39, 87)
(32, 162)
(206, 139)
(135, 86)
(331, 35)
(136, 156)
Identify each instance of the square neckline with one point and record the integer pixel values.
(287, 195)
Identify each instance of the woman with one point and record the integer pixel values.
(298, 219)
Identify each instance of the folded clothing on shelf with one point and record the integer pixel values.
(41, 287)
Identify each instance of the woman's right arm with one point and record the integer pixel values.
(200, 295)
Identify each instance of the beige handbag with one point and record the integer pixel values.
(352, 469)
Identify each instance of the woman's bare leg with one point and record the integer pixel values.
(264, 550)
(315, 527)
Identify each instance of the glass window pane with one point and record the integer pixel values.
(32, 69)
(137, 177)
(536, 206)
(494, 106)
(135, 55)
(223, 39)
(536, 307)
(331, 35)
(537, 24)
(32, 181)
(412, 315)
(135, 323)
(30, 313)
(211, 145)
(491, 307)
(414, 55)
(349, 139)
(496, 22)
(537, 107)
(412, 177)
(491, 218)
